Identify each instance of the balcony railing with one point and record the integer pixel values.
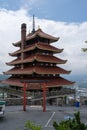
(38, 95)
(54, 94)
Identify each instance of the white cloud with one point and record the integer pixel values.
(72, 38)
(29, 4)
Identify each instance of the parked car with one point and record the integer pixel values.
(2, 108)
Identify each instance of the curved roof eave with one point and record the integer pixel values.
(17, 44)
(38, 70)
(51, 83)
(39, 33)
(36, 59)
(51, 39)
(39, 46)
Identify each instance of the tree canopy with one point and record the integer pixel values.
(84, 49)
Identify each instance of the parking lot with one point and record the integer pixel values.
(15, 118)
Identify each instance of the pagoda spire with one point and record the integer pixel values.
(33, 25)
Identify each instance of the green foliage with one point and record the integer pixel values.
(84, 49)
(31, 126)
(71, 124)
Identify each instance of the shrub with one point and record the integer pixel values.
(30, 125)
(70, 124)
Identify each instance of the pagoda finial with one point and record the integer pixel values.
(38, 26)
(33, 29)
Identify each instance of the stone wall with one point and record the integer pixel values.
(16, 101)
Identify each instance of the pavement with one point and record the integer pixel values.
(15, 118)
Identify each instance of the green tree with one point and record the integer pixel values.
(84, 49)
(71, 124)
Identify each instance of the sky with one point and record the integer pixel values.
(66, 19)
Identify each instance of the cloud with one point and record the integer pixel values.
(29, 4)
(72, 38)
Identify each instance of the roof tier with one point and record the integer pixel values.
(41, 46)
(38, 70)
(52, 82)
(39, 33)
(38, 58)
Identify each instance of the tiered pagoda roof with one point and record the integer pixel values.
(53, 82)
(38, 70)
(38, 33)
(40, 46)
(38, 58)
(35, 61)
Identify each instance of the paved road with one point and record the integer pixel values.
(15, 117)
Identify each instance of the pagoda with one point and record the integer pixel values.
(35, 60)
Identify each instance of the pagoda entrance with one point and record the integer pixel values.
(44, 89)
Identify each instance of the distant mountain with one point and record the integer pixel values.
(81, 80)
(3, 77)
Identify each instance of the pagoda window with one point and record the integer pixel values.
(34, 74)
(51, 64)
(48, 41)
(46, 64)
(28, 54)
(42, 64)
(27, 43)
(17, 65)
(42, 75)
(43, 40)
(37, 63)
(32, 41)
(50, 53)
(38, 52)
(51, 75)
(44, 53)
(33, 64)
(14, 75)
(54, 64)
(57, 75)
(25, 55)
(19, 56)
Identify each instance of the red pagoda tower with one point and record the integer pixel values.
(35, 60)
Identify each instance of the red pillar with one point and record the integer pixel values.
(44, 97)
(24, 98)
